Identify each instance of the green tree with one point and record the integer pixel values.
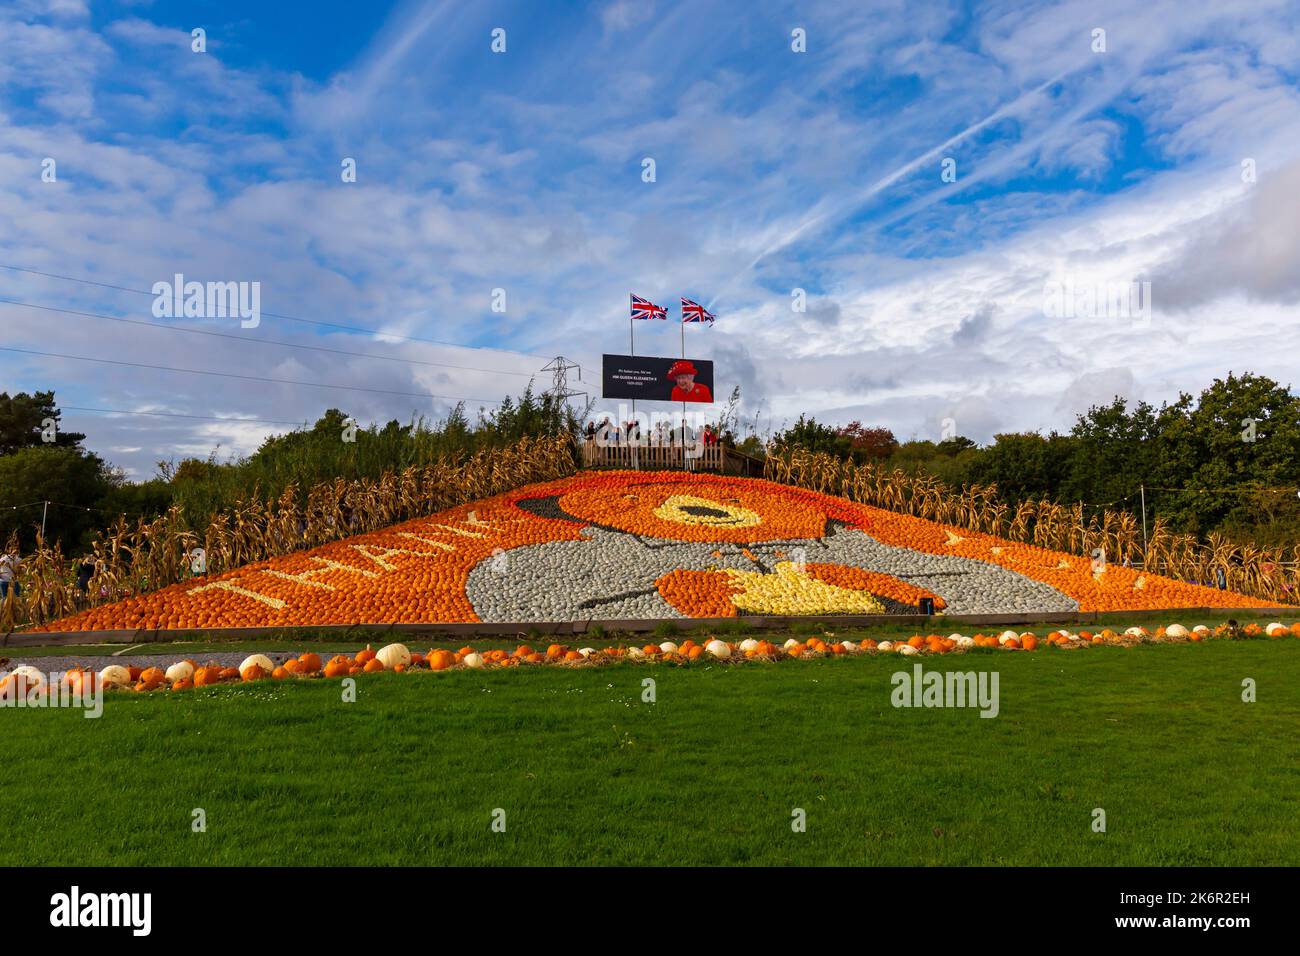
(72, 480)
(809, 433)
(25, 420)
(1027, 465)
(1113, 450)
(1209, 448)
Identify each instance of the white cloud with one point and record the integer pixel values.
(1250, 248)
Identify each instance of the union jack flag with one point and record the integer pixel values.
(694, 312)
(645, 309)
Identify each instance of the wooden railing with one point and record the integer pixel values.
(652, 457)
(670, 457)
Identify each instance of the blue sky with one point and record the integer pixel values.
(775, 170)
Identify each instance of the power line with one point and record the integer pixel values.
(64, 504)
(247, 378)
(247, 339)
(210, 418)
(1237, 489)
(278, 315)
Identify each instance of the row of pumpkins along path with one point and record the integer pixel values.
(397, 658)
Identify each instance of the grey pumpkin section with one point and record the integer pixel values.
(611, 574)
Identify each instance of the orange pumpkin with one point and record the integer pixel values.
(337, 668)
(81, 681)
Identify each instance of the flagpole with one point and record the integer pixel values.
(687, 461)
(631, 345)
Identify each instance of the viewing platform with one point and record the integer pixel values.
(671, 457)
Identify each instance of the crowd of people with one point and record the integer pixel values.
(661, 435)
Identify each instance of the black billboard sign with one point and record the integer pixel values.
(651, 378)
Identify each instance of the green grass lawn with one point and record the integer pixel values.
(587, 773)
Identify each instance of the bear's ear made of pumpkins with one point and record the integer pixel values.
(547, 506)
(691, 509)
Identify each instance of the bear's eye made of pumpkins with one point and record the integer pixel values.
(690, 509)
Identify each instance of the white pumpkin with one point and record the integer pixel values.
(586, 651)
(1176, 630)
(115, 675)
(1136, 632)
(885, 646)
(390, 655)
(955, 638)
(718, 648)
(848, 647)
(261, 660)
(748, 644)
(668, 647)
(181, 670)
(961, 640)
(635, 653)
(907, 650)
(789, 644)
(1007, 636)
(1275, 629)
(474, 660)
(30, 675)
(1201, 629)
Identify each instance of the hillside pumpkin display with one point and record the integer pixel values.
(617, 545)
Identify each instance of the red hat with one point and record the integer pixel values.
(682, 367)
